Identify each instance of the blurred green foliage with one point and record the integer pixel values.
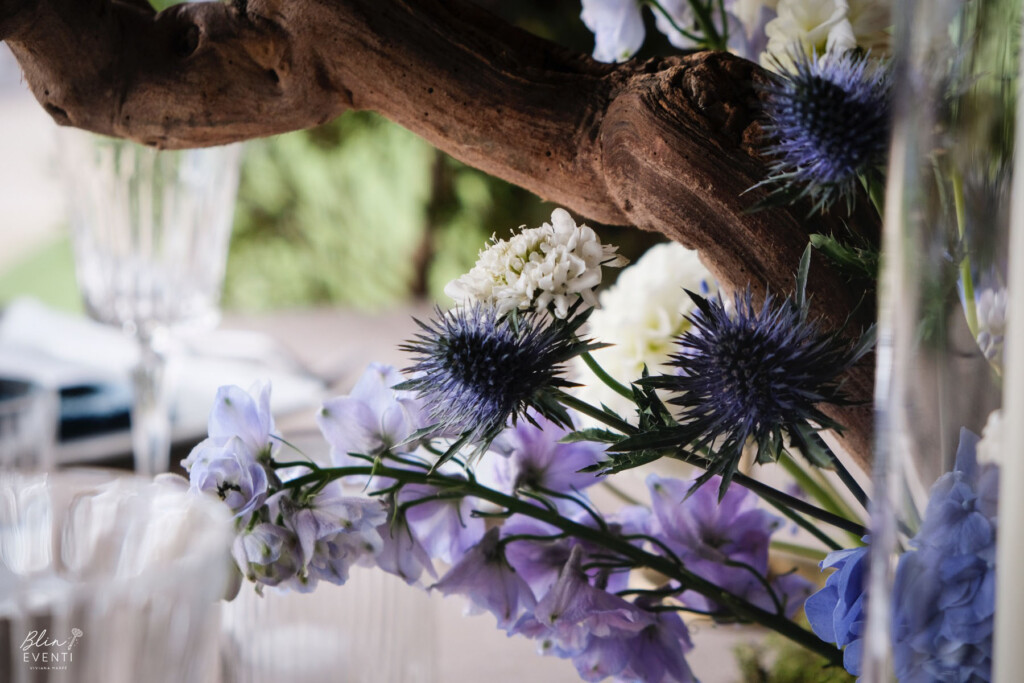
(777, 660)
(362, 213)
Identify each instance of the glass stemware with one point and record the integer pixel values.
(150, 231)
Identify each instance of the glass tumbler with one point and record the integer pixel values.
(109, 578)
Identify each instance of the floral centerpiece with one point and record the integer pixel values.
(470, 472)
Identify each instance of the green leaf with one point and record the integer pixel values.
(855, 260)
(592, 434)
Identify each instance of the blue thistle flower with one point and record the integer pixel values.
(829, 119)
(745, 373)
(476, 369)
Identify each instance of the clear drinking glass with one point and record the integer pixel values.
(28, 425)
(150, 231)
(107, 578)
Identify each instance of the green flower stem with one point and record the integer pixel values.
(784, 500)
(819, 488)
(640, 558)
(797, 550)
(772, 495)
(585, 408)
(656, 6)
(805, 524)
(876, 191)
(965, 264)
(609, 381)
(844, 474)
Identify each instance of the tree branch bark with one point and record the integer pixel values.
(669, 145)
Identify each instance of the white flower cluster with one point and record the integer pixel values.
(990, 448)
(558, 263)
(819, 27)
(771, 29)
(641, 315)
(991, 308)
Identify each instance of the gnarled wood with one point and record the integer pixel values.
(666, 145)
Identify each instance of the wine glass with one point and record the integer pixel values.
(150, 230)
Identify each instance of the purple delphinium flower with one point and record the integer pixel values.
(754, 374)
(588, 624)
(657, 654)
(540, 561)
(228, 469)
(944, 593)
(246, 416)
(402, 554)
(829, 122)
(836, 612)
(535, 459)
(443, 525)
(333, 531)
(267, 554)
(490, 583)
(476, 369)
(372, 418)
(710, 535)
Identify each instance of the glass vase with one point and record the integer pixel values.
(941, 362)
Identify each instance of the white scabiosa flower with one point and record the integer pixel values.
(640, 316)
(553, 265)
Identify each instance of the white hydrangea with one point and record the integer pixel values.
(990, 448)
(558, 263)
(818, 27)
(640, 315)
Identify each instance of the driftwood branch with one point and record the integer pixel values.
(669, 145)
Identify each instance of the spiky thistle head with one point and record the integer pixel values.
(744, 373)
(476, 369)
(829, 121)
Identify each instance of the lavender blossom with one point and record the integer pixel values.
(402, 554)
(534, 458)
(333, 531)
(483, 576)
(228, 469)
(267, 554)
(540, 562)
(657, 654)
(714, 537)
(372, 418)
(618, 28)
(588, 624)
(444, 526)
(246, 416)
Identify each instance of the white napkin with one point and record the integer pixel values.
(60, 350)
